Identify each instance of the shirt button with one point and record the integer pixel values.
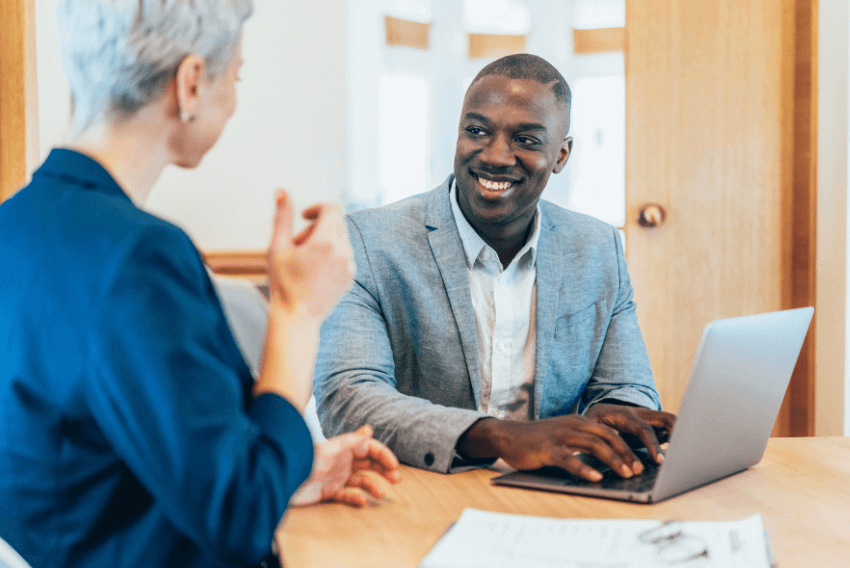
(501, 347)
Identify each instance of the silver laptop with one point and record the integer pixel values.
(737, 383)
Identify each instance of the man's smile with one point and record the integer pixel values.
(494, 185)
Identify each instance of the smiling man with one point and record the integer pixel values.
(485, 323)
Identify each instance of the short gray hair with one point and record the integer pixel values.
(119, 55)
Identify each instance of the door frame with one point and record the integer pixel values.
(19, 150)
(832, 388)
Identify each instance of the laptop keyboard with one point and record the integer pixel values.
(610, 480)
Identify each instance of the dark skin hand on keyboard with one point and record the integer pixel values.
(556, 441)
(639, 427)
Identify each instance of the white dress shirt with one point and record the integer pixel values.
(505, 305)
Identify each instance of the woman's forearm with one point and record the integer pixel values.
(289, 354)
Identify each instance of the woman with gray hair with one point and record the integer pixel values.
(131, 431)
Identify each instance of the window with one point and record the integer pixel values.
(496, 17)
(403, 136)
(595, 14)
(597, 178)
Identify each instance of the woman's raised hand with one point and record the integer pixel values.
(308, 274)
(311, 270)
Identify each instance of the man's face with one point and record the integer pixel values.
(511, 138)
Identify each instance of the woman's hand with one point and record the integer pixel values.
(312, 270)
(308, 274)
(339, 470)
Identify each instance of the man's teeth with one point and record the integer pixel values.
(495, 185)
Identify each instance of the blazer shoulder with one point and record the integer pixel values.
(98, 222)
(569, 223)
(127, 227)
(395, 220)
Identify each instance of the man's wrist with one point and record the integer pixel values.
(614, 401)
(483, 440)
(618, 401)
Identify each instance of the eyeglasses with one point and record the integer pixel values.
(674, 546)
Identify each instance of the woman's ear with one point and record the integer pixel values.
(187, 82)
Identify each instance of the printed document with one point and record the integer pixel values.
(483, 539)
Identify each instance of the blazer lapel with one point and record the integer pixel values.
(549, 272)
(558, 287)
(447, 249)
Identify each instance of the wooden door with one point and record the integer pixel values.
(18, 97)
(719, 126)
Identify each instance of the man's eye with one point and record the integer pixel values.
(475, 131)
(526, 140)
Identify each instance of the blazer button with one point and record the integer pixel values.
(429, 459)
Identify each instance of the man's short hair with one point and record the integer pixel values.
(527, 66)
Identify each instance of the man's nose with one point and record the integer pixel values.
(498, 152)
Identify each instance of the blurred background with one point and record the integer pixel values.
(714, 135)
(358, 101)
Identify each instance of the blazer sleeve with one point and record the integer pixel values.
(354, 382)
(171, 393)
(622, 370)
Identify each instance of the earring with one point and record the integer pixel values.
(186, 117)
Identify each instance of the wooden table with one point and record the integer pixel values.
(801, 488)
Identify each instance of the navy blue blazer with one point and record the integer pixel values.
(128, 432)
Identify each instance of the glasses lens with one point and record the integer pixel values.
(667, 531)
(682, 549)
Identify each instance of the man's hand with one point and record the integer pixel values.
(553, 441)
(339, 468)
(636, 421)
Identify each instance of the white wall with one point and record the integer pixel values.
(289, 129)
(832, 391)
(405, 144)
(53, 97)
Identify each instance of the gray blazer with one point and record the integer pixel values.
(400, 350)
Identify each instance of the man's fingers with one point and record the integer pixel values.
(646, 434)
(569, 462)
(612, 436)
(664, 420)
(621, 462)
(660, 425)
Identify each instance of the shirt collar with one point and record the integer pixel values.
(474, 245)
(79, 169)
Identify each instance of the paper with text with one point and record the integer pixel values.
(482, 539)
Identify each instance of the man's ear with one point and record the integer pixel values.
(187, 84)
(563, 154)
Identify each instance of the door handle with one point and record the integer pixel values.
(651, 215)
